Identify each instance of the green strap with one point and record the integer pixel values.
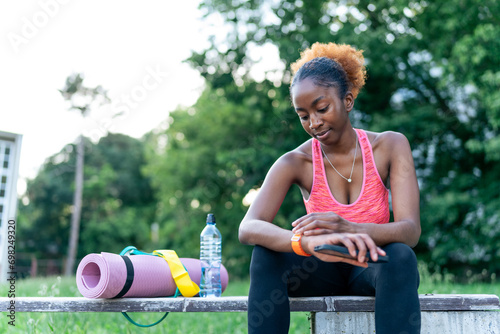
(144, 326)
(133, 251)
(153, 324)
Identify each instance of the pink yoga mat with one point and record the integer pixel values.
(105, 275)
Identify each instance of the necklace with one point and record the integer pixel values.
(352, 168)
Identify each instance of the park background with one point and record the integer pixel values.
(433, 75)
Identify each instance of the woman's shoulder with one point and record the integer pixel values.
(386, 140)
(300, 153)
(297, 164)
(388, 147)
(298, 156)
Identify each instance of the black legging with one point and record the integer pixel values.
(276, 276)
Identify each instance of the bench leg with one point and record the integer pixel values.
(477, 322)
(343, 322)
(452, 322)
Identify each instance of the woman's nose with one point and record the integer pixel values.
(315, 122)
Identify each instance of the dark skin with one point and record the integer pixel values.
(325, 116)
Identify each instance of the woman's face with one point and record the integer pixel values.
(322, 113)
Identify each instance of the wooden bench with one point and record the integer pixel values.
(441, 314)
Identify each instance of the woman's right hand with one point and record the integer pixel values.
(353, 241)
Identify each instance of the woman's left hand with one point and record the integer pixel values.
(353, 241)
(317, 223)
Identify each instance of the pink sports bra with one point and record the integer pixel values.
(372, 205)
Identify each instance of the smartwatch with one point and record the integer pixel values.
(297, 246)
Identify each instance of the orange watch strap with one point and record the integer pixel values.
(297, 246)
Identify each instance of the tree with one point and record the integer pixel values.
(118, 203)
(80, 98)
(432, 74)
(207, 161)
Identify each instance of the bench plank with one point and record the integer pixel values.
(469, 302)
(466, 302)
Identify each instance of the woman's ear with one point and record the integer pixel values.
(349, 101)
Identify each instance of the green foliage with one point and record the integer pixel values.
(118, 202)
(432, 75)
(44, 223)
(207, 160)
(81, 97)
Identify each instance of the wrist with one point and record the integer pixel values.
(356, 228)
(297, 245)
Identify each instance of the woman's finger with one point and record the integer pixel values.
(372, 247)
(361, 246)
(349, 244)
(318, 231)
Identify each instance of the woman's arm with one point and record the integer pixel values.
(405, 195)
(257, 228)
(395, 150)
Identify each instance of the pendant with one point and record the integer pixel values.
(349, 180)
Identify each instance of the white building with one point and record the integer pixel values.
(10, 151)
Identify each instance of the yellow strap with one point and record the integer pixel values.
(186, 286)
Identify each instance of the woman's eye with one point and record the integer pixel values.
(324, 109)
(304, 118)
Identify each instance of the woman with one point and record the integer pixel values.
(342, 173)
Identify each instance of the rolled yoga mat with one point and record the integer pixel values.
(105, 276)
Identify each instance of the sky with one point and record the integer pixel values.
(134, 49)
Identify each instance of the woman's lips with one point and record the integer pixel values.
(322, 135)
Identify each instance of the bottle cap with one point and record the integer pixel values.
(210, 218)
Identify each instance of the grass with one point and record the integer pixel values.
(437, 283)
(185, 323)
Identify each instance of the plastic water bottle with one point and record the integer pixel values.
(210, 257)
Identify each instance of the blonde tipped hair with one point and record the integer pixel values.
(350, 59)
